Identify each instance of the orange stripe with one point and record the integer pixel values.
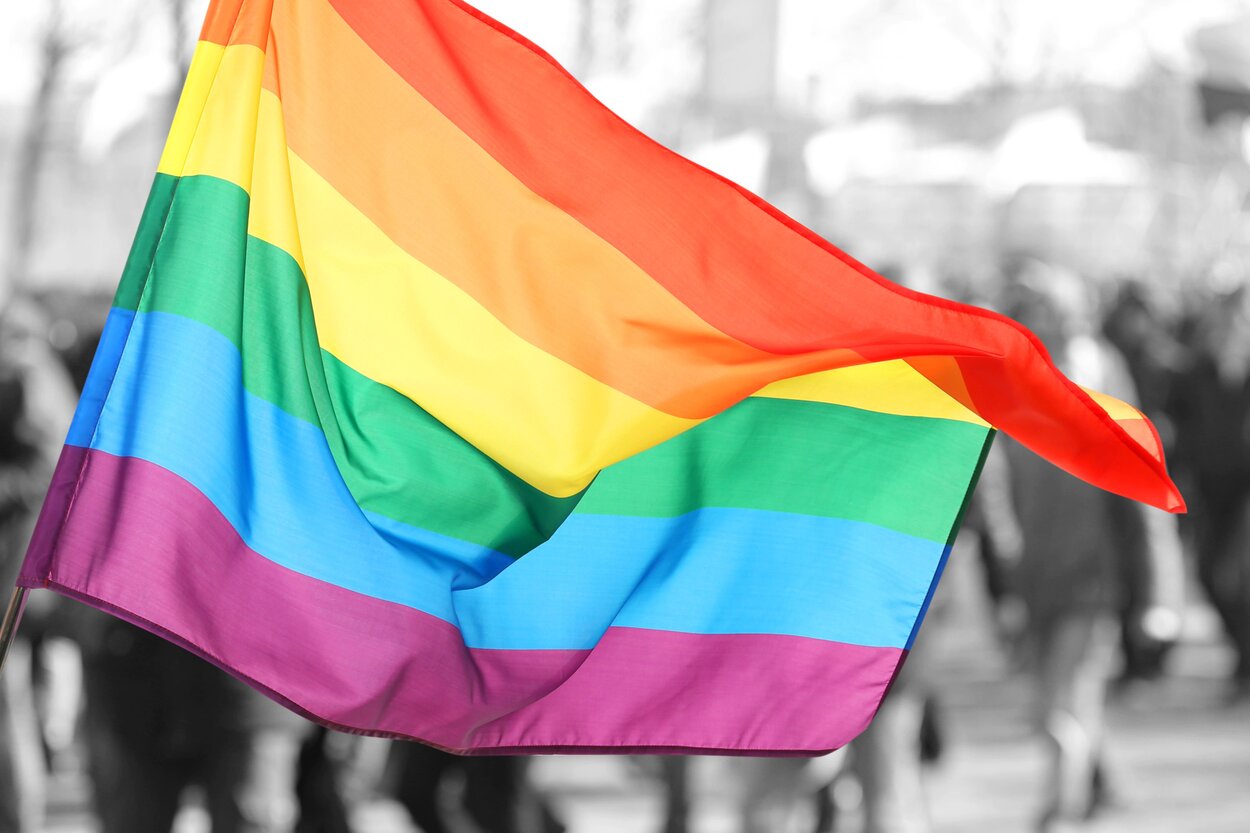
(1131, 420)
(737, 263)
(237, 21)
(1141, 430)
(457, 210)
(944, 372)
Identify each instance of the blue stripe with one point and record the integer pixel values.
(178, 401)
(107, 354)
(710, 571)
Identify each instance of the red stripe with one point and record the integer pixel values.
(738, 262)
(709, 242)
(144, 544)
(237, 21)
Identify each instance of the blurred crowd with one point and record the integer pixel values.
(954, 137)
(1087, 588)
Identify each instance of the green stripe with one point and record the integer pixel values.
(908, 474)
(143, 249)
(395, 458)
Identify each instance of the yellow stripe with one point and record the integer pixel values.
(214, 128)
(378, 307)
(892, 387)
(204, 65)
(391, 318)
(430, 187)
(399, 323)
(1115, 408)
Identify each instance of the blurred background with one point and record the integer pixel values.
(1083, 166)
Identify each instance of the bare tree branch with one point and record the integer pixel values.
(56, 43)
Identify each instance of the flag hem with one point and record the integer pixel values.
(91, 600)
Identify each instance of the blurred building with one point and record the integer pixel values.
(934, 136)
(907, 140)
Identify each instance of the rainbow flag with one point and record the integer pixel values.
(437, 402)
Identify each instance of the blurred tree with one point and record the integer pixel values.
(56, 41)
(181, 45)
(602, 35)
(585, 37)
(1027, 44)
(621, 19)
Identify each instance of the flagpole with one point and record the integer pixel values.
(12, 618)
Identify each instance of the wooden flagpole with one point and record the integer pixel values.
(12, 618)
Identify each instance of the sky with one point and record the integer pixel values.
(916, 48)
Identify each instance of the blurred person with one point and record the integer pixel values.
(1141, 334)
(675, 776)
(36, 402)
(906, 733)
(768, 792)
(159, 719)
(673, 772)
(886, 759)
(319, 788)
(1068, 548)
(887, 756)
(1211, 401)
(1154, 359)
(774, 794)
(497, 796)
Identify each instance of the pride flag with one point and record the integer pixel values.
(437, 402)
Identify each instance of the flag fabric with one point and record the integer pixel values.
(438, 402)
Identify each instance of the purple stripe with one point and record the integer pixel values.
(143, 543)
